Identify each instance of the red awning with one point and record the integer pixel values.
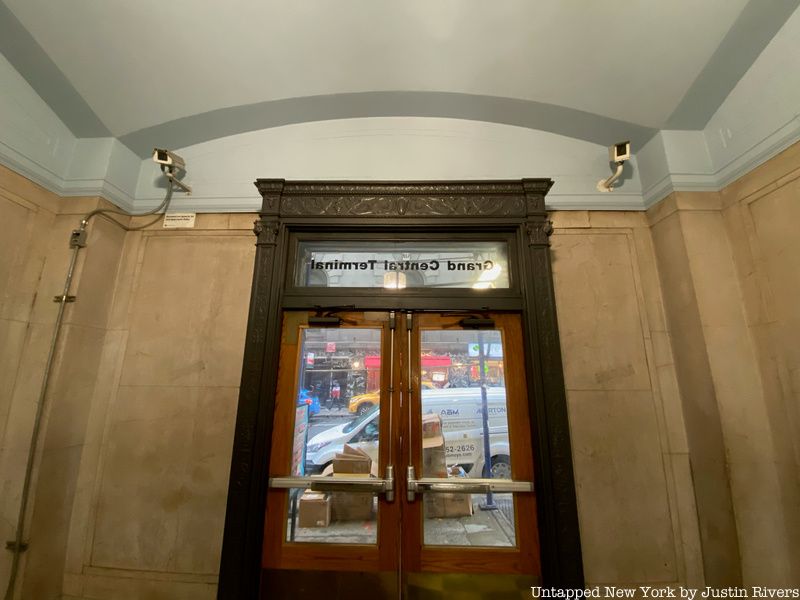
(374, 362)
(436, 361)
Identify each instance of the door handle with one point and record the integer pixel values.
(435, 485)
(318, 483)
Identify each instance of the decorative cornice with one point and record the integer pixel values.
(677, 182)
(402, 199)
(612, 201)
(270, 190)
(403, 206)
(569, 198)
(775, 143)
(269, 185)
(537, 186)
(737, 167)
(405, 188)
(41, 174)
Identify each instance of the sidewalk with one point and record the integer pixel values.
(483, 528)
(334, 412)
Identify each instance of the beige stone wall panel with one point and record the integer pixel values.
(31, 194)
(765, 178)
(706, 446)
(751, 435)
(761, 211)
(44, 560)
(597, 303)
(730, 259)
(638, 520)
(69, 401)
(162, 501)
(33, 262)
(626, 528)
(16, 240)
(189, 311)
(158, 479)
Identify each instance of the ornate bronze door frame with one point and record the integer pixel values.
(512, 210)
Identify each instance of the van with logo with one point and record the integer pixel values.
(461, 412)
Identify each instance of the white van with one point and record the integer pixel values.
(462, 425)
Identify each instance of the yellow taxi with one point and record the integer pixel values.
(363, 402)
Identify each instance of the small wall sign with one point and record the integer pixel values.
(179, 220)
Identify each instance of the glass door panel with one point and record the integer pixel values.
(329, 441)
(473, 502)
(328, 490)
(464, 420)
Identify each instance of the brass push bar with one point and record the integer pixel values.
(434, 485)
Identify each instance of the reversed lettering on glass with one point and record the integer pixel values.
(476, 265)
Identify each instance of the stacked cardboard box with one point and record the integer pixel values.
(434, 464)
(352, 506)
(449, 506)
(314, 510)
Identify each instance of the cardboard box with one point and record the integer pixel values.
(452, 505)
(328, 471)
(347, 465)
(434, 460)
(314, 510)
(352, 461)
(431, 425)
(351, 506)
(448, 506)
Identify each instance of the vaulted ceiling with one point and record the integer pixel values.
(185, 72)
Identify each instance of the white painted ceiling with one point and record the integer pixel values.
(134, 65)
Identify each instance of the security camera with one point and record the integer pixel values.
(168, 159)
(173, 166)
(618, 154)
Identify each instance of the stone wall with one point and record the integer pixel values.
(27, 212)
(633, 478)
(35, 254)
(155, 478)
(729, 269)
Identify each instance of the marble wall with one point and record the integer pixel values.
(679, 332)
(633, 479)
(35, 258)
(131, 475)
(26, 212)
(728, 264)
(155, 480)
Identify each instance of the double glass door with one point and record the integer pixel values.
(401, 462)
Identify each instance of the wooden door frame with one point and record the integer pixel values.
(514, 209)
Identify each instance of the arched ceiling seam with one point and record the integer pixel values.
(560, 120)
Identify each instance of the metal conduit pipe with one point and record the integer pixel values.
(76, 242)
